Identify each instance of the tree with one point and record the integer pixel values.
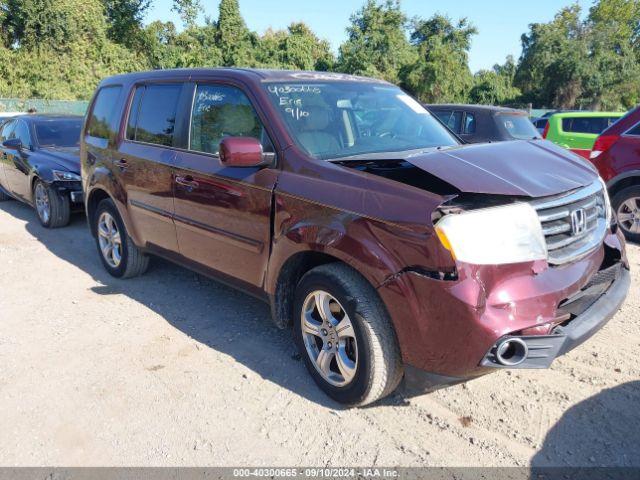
(124, 19)
(376, 44)
(440, 72)
(188, 11)
(495, 86)
(235, 41)
(591, 63)
(296, 48)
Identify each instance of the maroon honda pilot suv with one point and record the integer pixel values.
(391, 250)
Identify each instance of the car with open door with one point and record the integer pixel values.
(390, 249)
(40, 165)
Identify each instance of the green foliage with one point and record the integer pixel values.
(441, 71)
(592, 63)
(495, 86)
(63, 48)
(377, 44)
(235, 41)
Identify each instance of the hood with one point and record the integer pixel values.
(535, 168)
(66, 157)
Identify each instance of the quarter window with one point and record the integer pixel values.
(635, 130)
(221, 111)
(104, 108)
(469, 124)
(153, 114)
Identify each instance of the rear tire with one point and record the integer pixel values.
(626, 205)
(53, 209)
(119, 255)
(351, 349)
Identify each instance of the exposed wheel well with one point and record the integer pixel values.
(290, 274)
(624, 183)
(92, 204)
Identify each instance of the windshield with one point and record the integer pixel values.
(342, 119)
(58, 133)
(517, 126)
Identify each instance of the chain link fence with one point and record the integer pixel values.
(75, 107)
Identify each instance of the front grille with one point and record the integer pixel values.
(573, 224)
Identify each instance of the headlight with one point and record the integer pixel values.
(61, 176)
(607, 201)
(493, 236)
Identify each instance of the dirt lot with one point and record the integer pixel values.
(175, 369)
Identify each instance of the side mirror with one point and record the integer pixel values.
(13, 144)
(241, 152)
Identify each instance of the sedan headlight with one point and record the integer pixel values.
(61, 176)
(493, 236)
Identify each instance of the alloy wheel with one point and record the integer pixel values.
(43, 206)
(329, 338)
(628, 215)
(109, 239)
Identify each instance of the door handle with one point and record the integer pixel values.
(187, 182)
(121, 164)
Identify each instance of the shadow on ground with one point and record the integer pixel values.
(601, 423)
(218, 316)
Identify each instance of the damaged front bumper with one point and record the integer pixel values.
(606, 293)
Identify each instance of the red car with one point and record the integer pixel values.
(390, 249)
(616, 154)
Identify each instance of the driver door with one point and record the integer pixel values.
(17, 167)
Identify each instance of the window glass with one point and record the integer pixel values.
(6, 130)
(587, 125)
(22, 132)
(133, 113)
(223, 111)
(332, 120)
(58, 132)
(157, 114)
(635, 130)
(517, 126)
(469, 123)
(104, 108)
(443, 115)
(451, 119)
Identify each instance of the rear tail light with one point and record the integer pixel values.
(545, 131)
(603, 143)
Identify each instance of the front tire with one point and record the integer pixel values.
(53, 208)
(626, 204)
(119, 255)
(345, 336)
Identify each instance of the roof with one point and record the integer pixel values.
(588, 114)
(264, 75)
(476, 108)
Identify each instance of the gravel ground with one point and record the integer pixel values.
(175, 369)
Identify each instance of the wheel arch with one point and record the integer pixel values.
(93, 200)
(624, 180)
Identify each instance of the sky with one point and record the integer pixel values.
(500, 23)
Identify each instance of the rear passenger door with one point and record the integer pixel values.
(145, 160)
(223, 214)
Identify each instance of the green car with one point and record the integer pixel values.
(578, 131)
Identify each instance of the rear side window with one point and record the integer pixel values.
(593, 125)
(104, 108)
(153, 114)
(221, 111)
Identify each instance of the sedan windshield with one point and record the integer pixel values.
(58, 133)
(341, 119)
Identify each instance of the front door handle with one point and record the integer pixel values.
(122, 164)
(188, 182)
